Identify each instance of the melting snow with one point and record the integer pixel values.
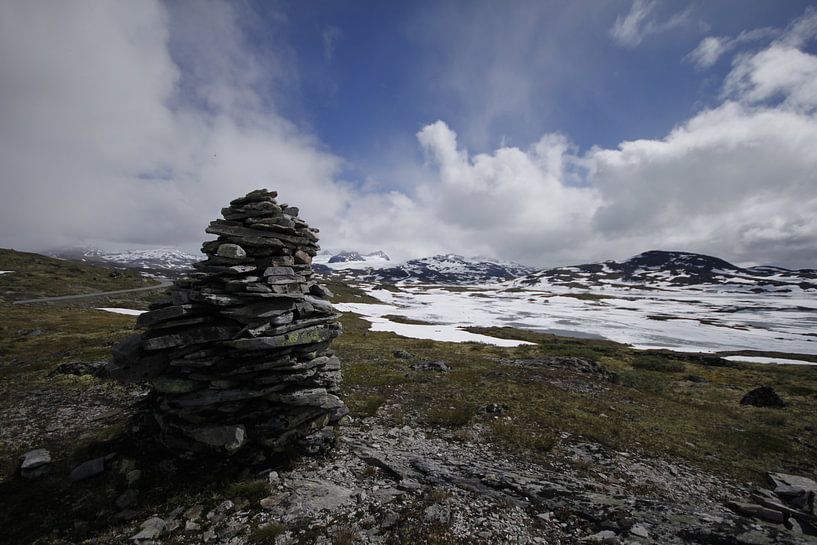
(128, 311)
(374, 261)
(436, 332)
(691, 321)
(763, 359)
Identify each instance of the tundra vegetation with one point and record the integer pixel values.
(659, 404)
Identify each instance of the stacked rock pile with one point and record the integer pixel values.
(240, 355)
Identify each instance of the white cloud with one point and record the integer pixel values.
(330, 36)
(795, 35)
(708, 51)
(104, 138)
(776, 72)
(736, 181)
(732, 181)
(802, 30)
(640, 22)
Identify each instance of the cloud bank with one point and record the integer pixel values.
(133, 123)
(105, 139)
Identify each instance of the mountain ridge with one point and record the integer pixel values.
(161, 259)
(673, 269)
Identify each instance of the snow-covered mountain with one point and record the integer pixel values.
(444, 269)
(162, 259)
(350, 260)
(659, 269)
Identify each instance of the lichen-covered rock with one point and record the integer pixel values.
(240, 354)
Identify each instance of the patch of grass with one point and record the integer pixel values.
(521, 437)
(365, 407)
(439, 494)
(652, 362)
(66, 334)
(388, 287)
(554, 345)
(266, 534)
(403, 320)
(647, 381)
(253, 491)
(345, 535)
(343, 293)
(450, 415)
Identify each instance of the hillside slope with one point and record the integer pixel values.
(29, 275)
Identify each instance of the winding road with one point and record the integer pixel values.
(163, 283)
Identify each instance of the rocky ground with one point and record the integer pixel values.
(390, 485)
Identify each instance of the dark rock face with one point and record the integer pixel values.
(345, 257)
(763, 397)
(239, 356)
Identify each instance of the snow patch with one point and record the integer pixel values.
(690, 321)
(128, 311)
(374, 313)
(764, 359)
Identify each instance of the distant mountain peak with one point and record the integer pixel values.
(440, 269)
(662, 269)
(348, 259)
(167, 259)
(344, 257)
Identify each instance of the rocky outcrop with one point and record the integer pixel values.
(763, 396)
(240, 355)
(792, 502)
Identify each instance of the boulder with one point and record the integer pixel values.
(763, 396)
(35, 463)
(438, 365)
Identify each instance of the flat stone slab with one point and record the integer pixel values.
(311, 496)
(35, 458)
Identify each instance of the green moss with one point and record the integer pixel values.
(450, 415)
(253, 491)
(343, 293)
(266, 534)
(653, 362)
(403, 320)
(522, 437)
(366, 406)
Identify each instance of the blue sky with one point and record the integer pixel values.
(387, 74)
(541, 132)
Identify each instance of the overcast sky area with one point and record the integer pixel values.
(548, 133)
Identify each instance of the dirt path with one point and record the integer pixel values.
(163, 283)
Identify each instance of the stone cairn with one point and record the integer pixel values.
(239, 356)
